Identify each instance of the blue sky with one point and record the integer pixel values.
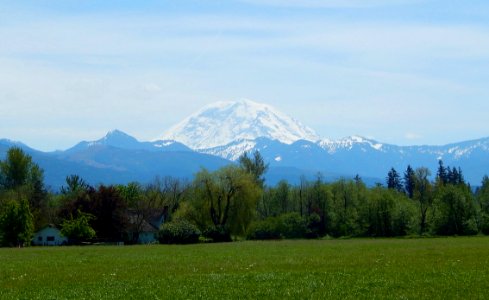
(400, 71)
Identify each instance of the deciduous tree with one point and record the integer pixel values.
(227, 198)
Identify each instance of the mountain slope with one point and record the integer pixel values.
(119, 139)
(118, 158)
(357, 155)
(221, 132)
(221, 123)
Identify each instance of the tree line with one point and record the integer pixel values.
(235, 202)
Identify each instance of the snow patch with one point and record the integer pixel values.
(222, 123)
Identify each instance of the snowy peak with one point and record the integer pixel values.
(348, 143)
(222, 123)
(117, 138)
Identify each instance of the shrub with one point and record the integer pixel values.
(484, 223)
(79, 229)
(179, 232)
(290, 225)
(293, 226)
(219, 234)
(313, 226)
(267, 229)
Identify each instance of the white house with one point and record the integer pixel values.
(49, 236)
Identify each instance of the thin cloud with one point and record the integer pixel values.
(372, 75)
(413, 136)
(330, 3)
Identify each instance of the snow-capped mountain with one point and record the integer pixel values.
(119, 139)
(222, 123)
(357, 155)
(220, 133)
(348, 143)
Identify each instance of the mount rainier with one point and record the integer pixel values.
(228, 129)
(219, 133)
(222, 123)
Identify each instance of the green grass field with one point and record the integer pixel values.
(435, 268)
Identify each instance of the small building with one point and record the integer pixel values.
(49, 236)
(148, 233)
(145, 231)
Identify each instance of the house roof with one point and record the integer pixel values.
(48, 226)
(145, 226)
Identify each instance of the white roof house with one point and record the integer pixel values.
(49, 236)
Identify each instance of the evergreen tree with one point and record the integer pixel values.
(442, 173)
(394, 180)
(455, 176)
(358, 179)
(461, 179)
(74, 184)
(483, 202)
(409, 181)
(450, 175)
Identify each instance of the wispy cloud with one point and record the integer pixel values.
(329, 3)
(350, 75)
(413, 136)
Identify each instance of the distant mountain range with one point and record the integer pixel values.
(119, 158)
(218, 134)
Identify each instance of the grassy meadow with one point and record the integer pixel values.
(435, 268)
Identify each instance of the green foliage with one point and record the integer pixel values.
(78, 229)
(454, 211)
(267, 229)
(409, 181)
(74, 184)
(423, 195)
(224, 203)
(394, 180)
(405, 216)
(290, 225)
(16, 224)
(348, 199)
(217, 234)
(179, 232)
(483, 201)
(293, 226)
(15, 169)
(109, 211)
(225, 199)
(381, 213)
(20, 174)
(105, 204)
(389, 213)
(255, 166)
(484, 223)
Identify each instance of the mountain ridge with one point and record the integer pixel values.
(106, 161)
(290, 148)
